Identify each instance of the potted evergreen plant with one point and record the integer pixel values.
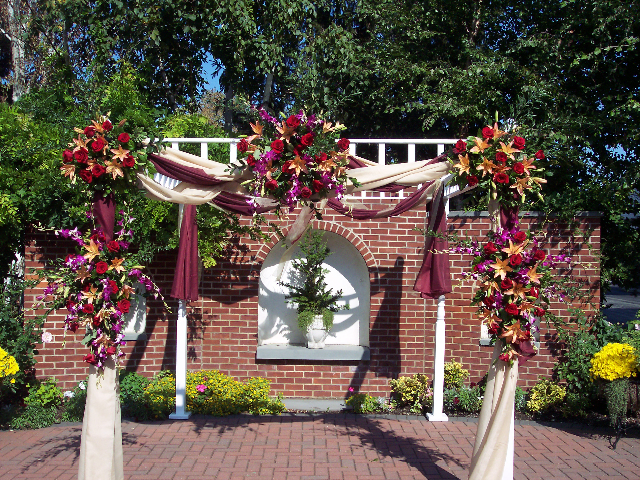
(308, 291)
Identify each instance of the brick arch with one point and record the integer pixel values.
(332, 227)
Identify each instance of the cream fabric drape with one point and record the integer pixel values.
(101, 442)
(370, 177)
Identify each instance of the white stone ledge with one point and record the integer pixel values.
(300, 352)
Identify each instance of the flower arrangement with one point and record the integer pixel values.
(516, 283)
(97, 285)
(614, 361)
(295, 159)
(497, 162)
(105, 156)
(8, 366)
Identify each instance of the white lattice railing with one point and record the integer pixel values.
(441, 144)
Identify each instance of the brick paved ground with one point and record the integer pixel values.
(331, 446)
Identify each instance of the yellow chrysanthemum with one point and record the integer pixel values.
(614, 361)
(8, 364)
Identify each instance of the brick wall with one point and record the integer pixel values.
(223, 323)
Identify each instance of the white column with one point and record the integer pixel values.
(181, 364)
(438, 367)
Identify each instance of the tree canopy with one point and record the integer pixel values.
(565, 73)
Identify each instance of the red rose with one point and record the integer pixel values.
(539, 312)
(70, 305)
(343, 144)
(515, 260)
(504, 357)
(501, 178)
(107, 126)
(472, 180)
(90, 358)
(533, 292)
(298, 149)
(520, 236)
(243, 146)
(511, 309)
(98, 144)
(293, 122)
(73, 327)
(128, 161)
(490, 248)
(67, 156)
(271, 185)
(124, 137)
(87, 308)
(251, 160)
(102, 267)
(460, 147)
(277, 146)
(98, 170)
(506, 284)
(518, 142)
(518, 168)
(96, 321)
(81, 155)
(321, 157)
(487, 132)
(501, 157)
(493, 329)
(124, 305)
(111, 350)
(539, 255)
(317, 186)
(89, 131)
(305, 192)
(85, 175)
(307, 140)
(540, 155)
(113, 286)
(488, 301)
(113, 246)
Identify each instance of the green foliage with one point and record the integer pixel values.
(463, 399)
(74, 403)
(44, 394)
(308, 287)
(132, 395)
(222, 395)
(19, 335)
(454, 374)
(632, 335)
(588, 336)
(185, 125)
(365, 403)
(411, 390)
(34, 416)
(576, 405)
(544, 395)
(617, 394)
(520, 400)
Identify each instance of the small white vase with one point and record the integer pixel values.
(317, 334)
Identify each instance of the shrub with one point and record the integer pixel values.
(132, 398)
(160, 395)
(520, 400)
(365, 403)
(74, 403)
(214, 393)
(614, 361)
(44, 394)
(544, 395)
(454, 375)
(409, 390)
(463, 399)
(34, 416)
(576, 405)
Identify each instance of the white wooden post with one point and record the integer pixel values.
(438, 367)
(181, 354)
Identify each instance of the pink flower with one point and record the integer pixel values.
(201, 388)
(351, 389)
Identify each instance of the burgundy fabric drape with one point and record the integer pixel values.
(104, 213)
(185, 280)
(197, 176)
(434, 278)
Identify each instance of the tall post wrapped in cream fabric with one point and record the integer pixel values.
(101, 441)
(496, 420)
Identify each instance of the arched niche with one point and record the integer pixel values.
(277, 324)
